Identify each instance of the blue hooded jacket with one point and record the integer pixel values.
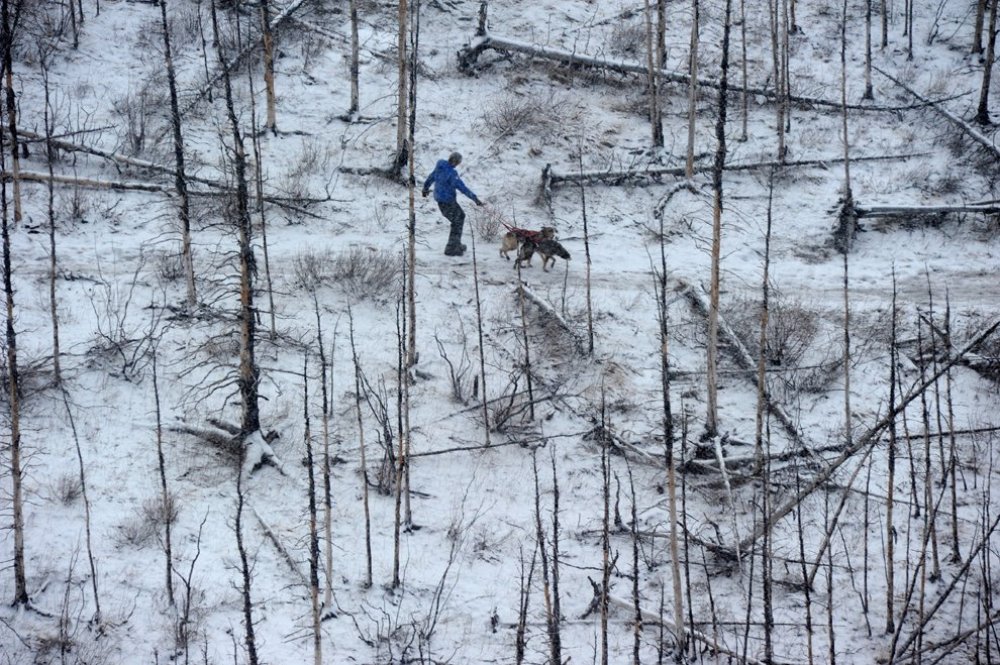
(445, 179)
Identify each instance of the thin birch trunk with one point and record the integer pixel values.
(479, 333)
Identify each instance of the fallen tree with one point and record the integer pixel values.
(655, 175)
(969, 131)
(469, 54)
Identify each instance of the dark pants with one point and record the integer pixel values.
(454, 214)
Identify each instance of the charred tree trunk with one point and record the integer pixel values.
(267, 40)
(652, 79)
(313, 525)
(249, 373)
(869, 93)
(402, 148)
(364, 462)
(354, 109)
(180, 178)
(13, 384)
(977, 35)
(161, 466)
(692, 89)
(983, 112)
(50, 202)
(711, 420)
(7, 42)
(890, 529)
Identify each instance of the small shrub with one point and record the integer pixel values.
(791, 328)
(363, 273)
(488, 223)
(169, 267)
(67, 489)
(135, 532)
(628, 39)
(158, 512)
(517, 113)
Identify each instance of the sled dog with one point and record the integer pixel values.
(549, 248)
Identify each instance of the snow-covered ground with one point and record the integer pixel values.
(474, 534)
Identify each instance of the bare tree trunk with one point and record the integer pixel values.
(248, 370)
(977, 35)
(6, 40)
(587, 264)
(327, 461)
(402, 149)
(258, 179)
(983, 112)
(164, 491)
(605, 534)
(364, 463)
(778, 72)
(653, 80)
(479, 332)
(86, 510)
(268, 43)
(885, 25)
(556, 602)
(180, 178)
(13, 383)
(522, 614)
(313, 529)
(53, 262)
(743, 66)
(692, 89)
(401, 381)
(246, 579)
(204, 54)
(554, 654)
(869, 93)
(411, 245)
(527, 351)
(668, 442)
(352, 112)
(890, 528)
(711, 421)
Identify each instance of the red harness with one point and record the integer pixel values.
(525, 235)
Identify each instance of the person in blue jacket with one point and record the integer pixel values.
(445, 181)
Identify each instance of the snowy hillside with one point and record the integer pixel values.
(476, 502)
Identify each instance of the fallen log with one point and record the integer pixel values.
(655, 175)
(469, 54)
(747, 363)
(913, 211)
(550, 313)
(870, 438)
(976, 136)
